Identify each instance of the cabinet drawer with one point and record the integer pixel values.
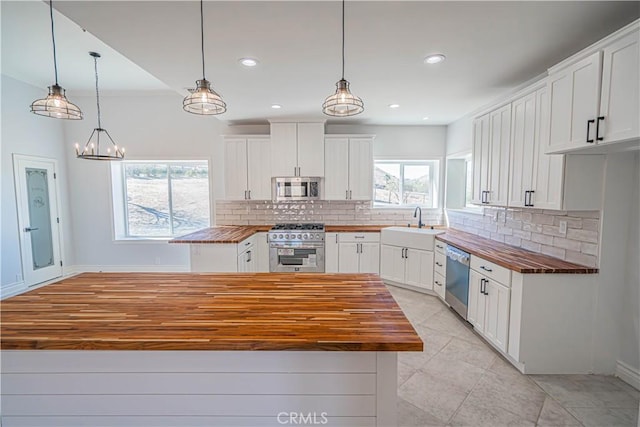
(358, 237)
(440, 264)
(441, 247)
(439, 285)
(246, 244)
(491, 270)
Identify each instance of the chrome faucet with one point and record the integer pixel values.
(415, 213)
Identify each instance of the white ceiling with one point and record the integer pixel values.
(491, 47)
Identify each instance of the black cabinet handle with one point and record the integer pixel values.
(598, 137)
(526, 194)
(482, 285)
(485, 286)
(588, 128)
(531, 198)
(486, 269)
(438, 264)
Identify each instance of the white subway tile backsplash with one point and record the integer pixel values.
(537, 230)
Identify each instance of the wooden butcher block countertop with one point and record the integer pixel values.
(237, 233)
(511, 257)
(184, 311)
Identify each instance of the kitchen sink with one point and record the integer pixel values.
(417, 238)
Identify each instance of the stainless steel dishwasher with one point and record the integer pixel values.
(457, 282)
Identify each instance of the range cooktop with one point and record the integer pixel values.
(299, 227)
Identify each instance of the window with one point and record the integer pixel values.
(412, 183)
(158, 199)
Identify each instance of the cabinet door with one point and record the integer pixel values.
(336, 168)
(523, 143)
(284, 149)
(480, 158)
(392, 263)
(475, 311)
(349, 259)
(549, 168)
(235, 163)
(331, 252)
(369, 258)
(311, 149)
(498, 300)
(262, 253)
(573, 100)
(500, 124)
(619, 104)
(419, 268)
(360, 168)
(259, 168)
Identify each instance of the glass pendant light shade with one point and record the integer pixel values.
(204, 100)
(56, 105)
(342, 103)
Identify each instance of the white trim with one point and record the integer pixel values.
(628, 374)
(348, 135)
(132, 268)
(12, 289)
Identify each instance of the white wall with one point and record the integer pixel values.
(28, 134)
(630, 323)
(459, 136)
(400, 142)
(149, 127)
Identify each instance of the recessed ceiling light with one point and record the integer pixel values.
(434, 59)
(248, 62)
(276, 106)
(425, 118)
(394, 105)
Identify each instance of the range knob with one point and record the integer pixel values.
(286, 236)
(317, 236)
(299, 236)
(305, 236)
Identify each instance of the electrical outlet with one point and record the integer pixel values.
(563, 227)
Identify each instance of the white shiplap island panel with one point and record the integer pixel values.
(197, 388)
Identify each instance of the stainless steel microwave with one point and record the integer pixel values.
(296, 188)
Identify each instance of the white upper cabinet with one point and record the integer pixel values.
(348, 173)
(595, 101)
(500, 130)
(574, 94)
(480, 158)
(491, 141)
(619, 104)
(247, 168)
(297, 149)
(523, 147)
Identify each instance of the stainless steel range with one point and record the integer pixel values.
(296, 248)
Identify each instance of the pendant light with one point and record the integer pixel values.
(342, 103)
(91, 150)
(56, 104)
(203, 100)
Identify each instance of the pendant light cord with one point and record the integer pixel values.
(342, 39)
(53, 39)
(95, 62)
(202, 36)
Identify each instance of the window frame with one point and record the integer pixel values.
(434, 177)
(120, 211)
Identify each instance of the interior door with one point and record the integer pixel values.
(36, 195)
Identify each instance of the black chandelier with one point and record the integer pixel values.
(91, 150)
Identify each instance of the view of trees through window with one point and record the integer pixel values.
(405, 183)
(165, 199)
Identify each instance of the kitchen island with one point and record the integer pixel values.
(203, 349)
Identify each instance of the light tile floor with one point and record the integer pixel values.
(459, 380)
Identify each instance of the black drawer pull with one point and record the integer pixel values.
(486, 269)
(598, 137)
(588, 128)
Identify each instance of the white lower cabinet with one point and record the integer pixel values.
(331, 252)
(439, 285)
(225, 257)
(262, 252)
(488, 310)
(407, 266)
(358, 253)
